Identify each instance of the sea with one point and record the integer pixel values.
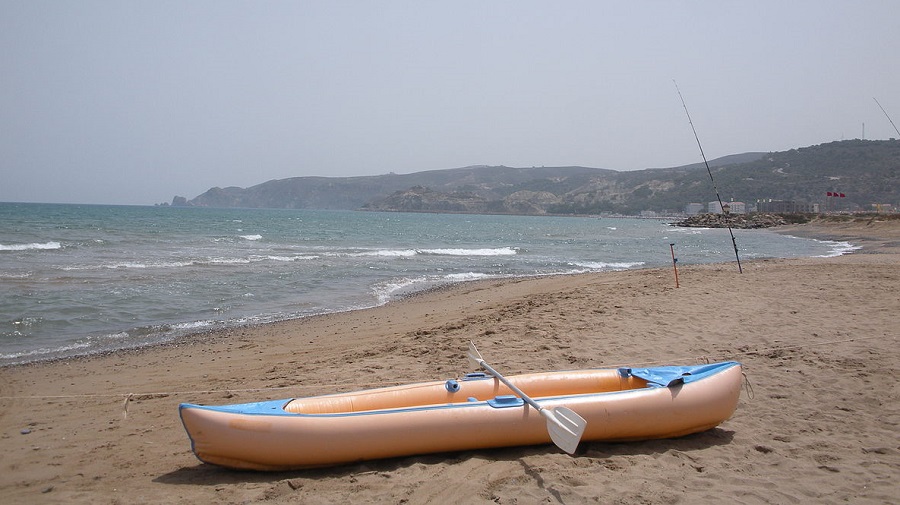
(83, 279)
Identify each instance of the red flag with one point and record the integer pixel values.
(843, 195)
(830, 193)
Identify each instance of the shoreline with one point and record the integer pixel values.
(816, 336)
(191, 335)
(872, 235)
(816, 230)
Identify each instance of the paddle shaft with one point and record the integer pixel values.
(564, 426)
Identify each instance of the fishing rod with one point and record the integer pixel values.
(886, 115)
(709, 171)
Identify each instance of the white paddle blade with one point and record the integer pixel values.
(565, 427)
(474, 356)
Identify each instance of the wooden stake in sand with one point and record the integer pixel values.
(674, 263)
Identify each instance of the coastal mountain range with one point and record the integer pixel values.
(866, 172)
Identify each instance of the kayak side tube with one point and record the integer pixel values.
(474, 412)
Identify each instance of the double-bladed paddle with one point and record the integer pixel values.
(564, 425)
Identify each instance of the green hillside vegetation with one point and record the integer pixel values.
(866, 171)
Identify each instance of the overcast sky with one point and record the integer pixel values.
(133, 102)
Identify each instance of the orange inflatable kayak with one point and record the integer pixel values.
(474, 412)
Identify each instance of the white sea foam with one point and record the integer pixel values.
(838, 248)
(385, 290)
(45, 246)
(467, 276)
(251, 237)
(225, 261)
(601, 265)
(98, 343)
(24, 275)
(127, 265)
(500, 251)
(193, 325)
(213, 261)
(408, 253)
(389, 253)
(44, 352)
(290, 258)
(216, 261)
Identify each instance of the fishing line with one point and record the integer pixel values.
(709, 171)
(886, 115)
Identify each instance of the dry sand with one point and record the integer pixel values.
(818, 338)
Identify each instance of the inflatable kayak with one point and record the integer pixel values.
(473, 412)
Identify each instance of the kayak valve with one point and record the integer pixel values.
(452, 386)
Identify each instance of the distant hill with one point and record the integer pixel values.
(866, 172)
(356, 192)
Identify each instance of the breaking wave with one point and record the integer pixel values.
(46, 246)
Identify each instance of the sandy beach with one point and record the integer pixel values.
(817, 337)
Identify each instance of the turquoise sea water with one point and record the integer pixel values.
(78, 279)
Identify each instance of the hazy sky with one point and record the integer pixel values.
(136, 101)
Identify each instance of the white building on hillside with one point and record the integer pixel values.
(733, 207)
